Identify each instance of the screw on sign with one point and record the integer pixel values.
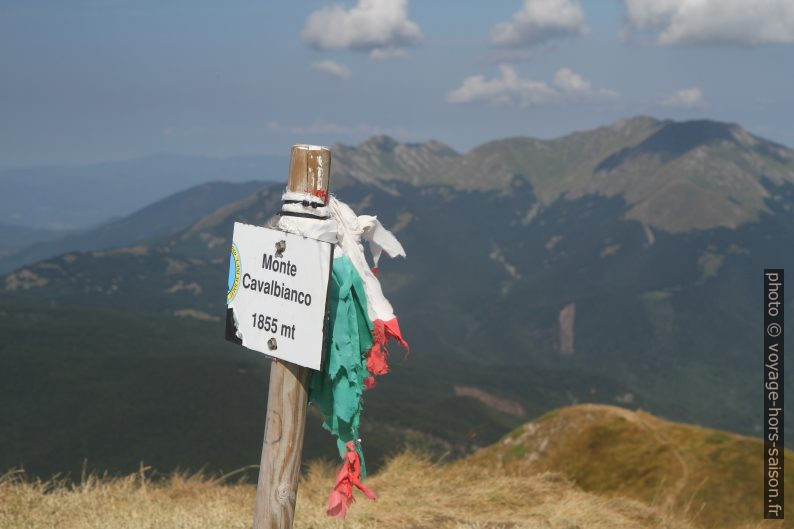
(298, 291)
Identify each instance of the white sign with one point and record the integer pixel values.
(278, 285)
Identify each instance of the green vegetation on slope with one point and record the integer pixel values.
(111, 389)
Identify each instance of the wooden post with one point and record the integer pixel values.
(279, 468)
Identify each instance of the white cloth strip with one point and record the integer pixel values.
(350, 231)
(320, 229)
(347, 230)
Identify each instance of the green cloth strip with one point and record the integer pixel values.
(337, 388)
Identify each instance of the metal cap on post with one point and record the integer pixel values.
(279, 470)
(309, 170)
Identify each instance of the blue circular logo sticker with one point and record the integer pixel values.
(234, 274)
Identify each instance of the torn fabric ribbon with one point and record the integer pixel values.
(361, 321)
(347, 477)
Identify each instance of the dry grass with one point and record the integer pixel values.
(710, 477)
(412, 493)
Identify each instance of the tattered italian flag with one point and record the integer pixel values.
(361, 322)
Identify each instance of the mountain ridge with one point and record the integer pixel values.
(663, 168)
(84, 196)
(604, 160)
(162, 218)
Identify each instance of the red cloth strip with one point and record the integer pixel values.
(376, 356)
(349, 475)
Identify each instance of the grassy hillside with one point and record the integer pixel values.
(411, 493)
(711, 476)
(587, 466)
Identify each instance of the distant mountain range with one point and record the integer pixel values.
(165, 217)
(14, 238)
(83, 196)
(618, 265)
(675, 176)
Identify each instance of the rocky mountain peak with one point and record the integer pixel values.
(379, 143)
(653, 164)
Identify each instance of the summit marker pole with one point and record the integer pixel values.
(287, 399)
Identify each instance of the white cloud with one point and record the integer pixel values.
(332, 68)
(510, 89)
(380, 27)
(539, 21)
(713, 22)
(569, 81)
(685, 98)
(506, 89)
(572, 84)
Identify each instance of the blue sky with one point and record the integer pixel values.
(96, 80)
